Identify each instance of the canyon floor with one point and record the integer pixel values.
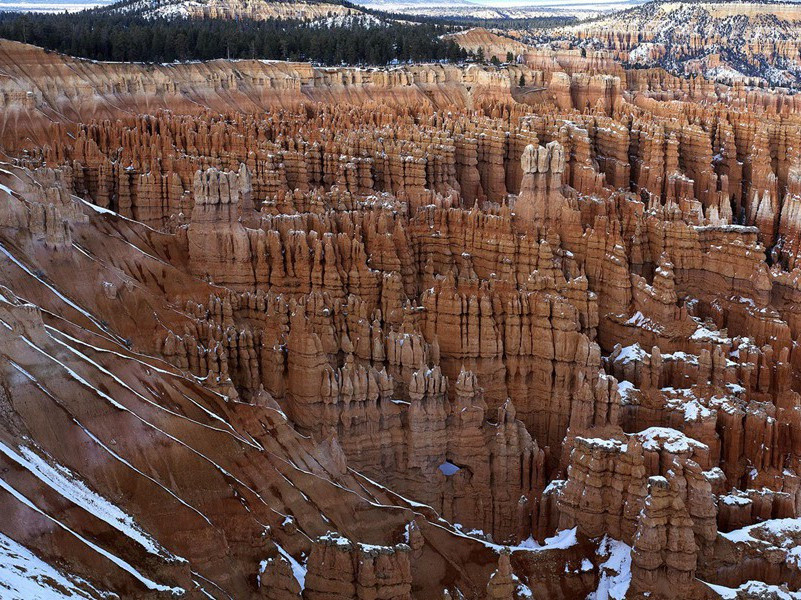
(270, 330)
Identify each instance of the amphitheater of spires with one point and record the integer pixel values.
(402, 334)
(752, 42)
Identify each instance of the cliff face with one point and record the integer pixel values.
(490, 43)
(39, 88)
(754, 44)
(276, 331)
(747, 42)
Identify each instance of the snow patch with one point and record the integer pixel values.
(754, 589)
(298, 570)
(66, 483)
(671, 440)
(615, 570)
(24, 576)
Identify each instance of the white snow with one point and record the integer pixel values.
(734, 500)
(50, 7)
(640, 320)
(693, 410)
(735, 388)
(633, 353)
(529, 544)
(107, 211)
(148, 583)
(715, 475)
(754, 589)
(671, 440)
(707, 335)
(635, 319)
(362, 20)
(615, 570)
(777, 532)
(298, 570)
(407, 532)
(640, 53)
(66, 483)
(625, 388)
(680, 356)
(562, 540)
(724, 73)
(794, 557)
(24, 576)
(100, 209)
(605, 443)
(554, 486)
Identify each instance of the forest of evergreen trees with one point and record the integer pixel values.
(104, 35)
(119, 32)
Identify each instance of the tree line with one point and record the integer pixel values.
(115, 36)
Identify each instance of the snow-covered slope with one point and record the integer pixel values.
(489, 9)
(240, 9)
(726, 41)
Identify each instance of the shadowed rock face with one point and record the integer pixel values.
(378, 334)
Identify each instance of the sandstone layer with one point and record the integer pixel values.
(278, 331)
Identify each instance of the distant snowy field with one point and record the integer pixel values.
(426, 6)
(502, 3)
(51, 6)
(499, 9)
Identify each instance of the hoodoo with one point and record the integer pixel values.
(458, 329)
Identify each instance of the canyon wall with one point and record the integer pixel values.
(401, 333)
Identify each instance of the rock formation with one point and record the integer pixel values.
(399, 333)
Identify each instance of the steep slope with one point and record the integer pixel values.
(125, 472)
(727, 41)
(491, 44)
(39, 88)
(270, 330)
(499, 10)
(238, 9)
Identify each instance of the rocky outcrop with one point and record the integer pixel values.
(338, 568)
(491, 43)
(351, 333)
(664, 554)
(731, 42)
